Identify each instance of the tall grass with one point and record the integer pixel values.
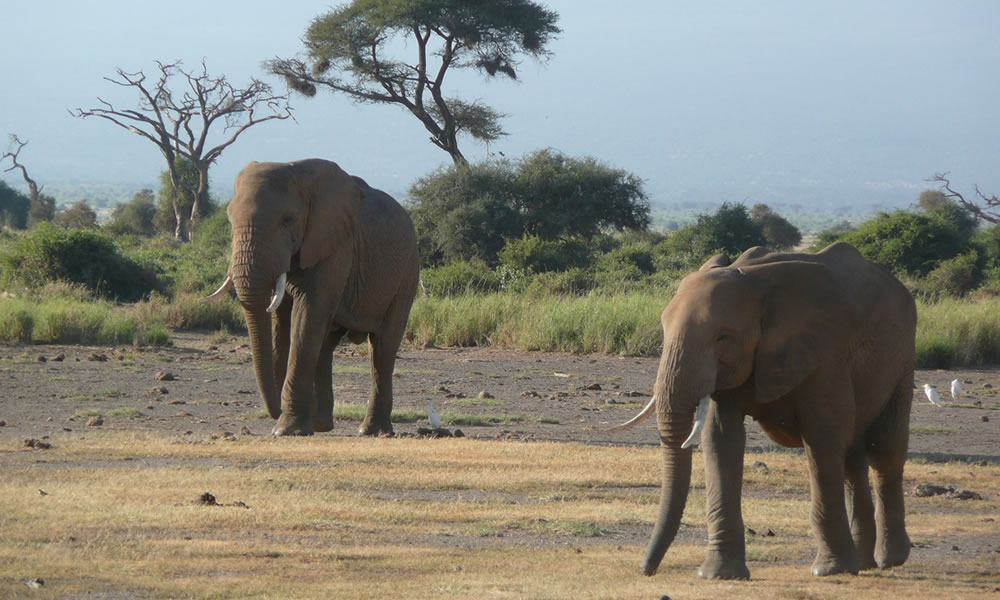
(950, 332)
(958, 333)
(594, 323)
(65, 320)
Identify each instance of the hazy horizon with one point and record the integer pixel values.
(773, 102)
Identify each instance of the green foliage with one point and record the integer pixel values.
(955, 276)
(729, 230)
(534, 254)
(48, 253)
(77, 216)
(468, 212)
(135, 217)
(777, 231)
(459, 277)
(350, 51)
(907, 242)
(43, 208)
(14, 207)
(559, 196)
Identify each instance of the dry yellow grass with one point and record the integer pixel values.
(360, 518)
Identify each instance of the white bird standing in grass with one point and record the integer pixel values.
(432, 416)
(956, 389)
(932, 395)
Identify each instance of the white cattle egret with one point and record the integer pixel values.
(699, 422)
(956, 389)
(932, 395)
(435, 421)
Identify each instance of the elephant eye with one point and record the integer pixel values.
(723, 337)
(288, 220)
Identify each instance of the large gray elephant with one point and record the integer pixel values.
(819, 349)
(330, 256)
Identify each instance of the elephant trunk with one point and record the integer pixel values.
(254, 284)
(674, 493)
(680, 384)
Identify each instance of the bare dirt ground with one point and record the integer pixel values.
(202, 388)
(210, 391)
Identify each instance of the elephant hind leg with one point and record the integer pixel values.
(323, 420)
(384, 346)
(887, 452)
(860, 510)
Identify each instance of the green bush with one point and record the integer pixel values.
(48, 253)
(955, 276)
(536, 255)
(459, 277)
(907, 242)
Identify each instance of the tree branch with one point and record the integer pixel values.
(992, 203)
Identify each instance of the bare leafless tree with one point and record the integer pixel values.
(13, 154)
(986, 207)
(179, 122)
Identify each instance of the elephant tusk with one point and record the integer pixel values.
(279, 293)
(639, 418)
(699, 422)
(222, 291)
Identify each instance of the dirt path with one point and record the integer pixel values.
(54, 390)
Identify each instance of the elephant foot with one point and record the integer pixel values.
(288, 425)
(717, 566)
(374, 428)
(893, 552)
(322, 425)
(827, 564)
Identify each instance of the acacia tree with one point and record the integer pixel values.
(179, 123)
(348, 51)
(986, 207)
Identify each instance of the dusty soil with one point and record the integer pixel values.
(211, 391)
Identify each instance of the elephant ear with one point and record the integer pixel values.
(334, 201)
(719, 260)
(805, 319)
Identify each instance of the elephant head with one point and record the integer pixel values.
(285, 217)
(761, 328)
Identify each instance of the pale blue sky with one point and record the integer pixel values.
(736, 101)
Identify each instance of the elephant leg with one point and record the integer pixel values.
(837, 552)
(298, 397)
(281, 337)
(723, 443)
(324, 382)
(887, 453)
(383, 360)
(860, 509)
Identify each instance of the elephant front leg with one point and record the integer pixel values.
(723, 443)
(298, 395)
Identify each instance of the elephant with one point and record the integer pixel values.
(317, 255)
(819, 350)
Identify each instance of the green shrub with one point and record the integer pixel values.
(48, 253)
(955, 276)
(532, 253)
(907, 242)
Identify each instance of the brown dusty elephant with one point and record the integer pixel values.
(819, 349)
(347, 255)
